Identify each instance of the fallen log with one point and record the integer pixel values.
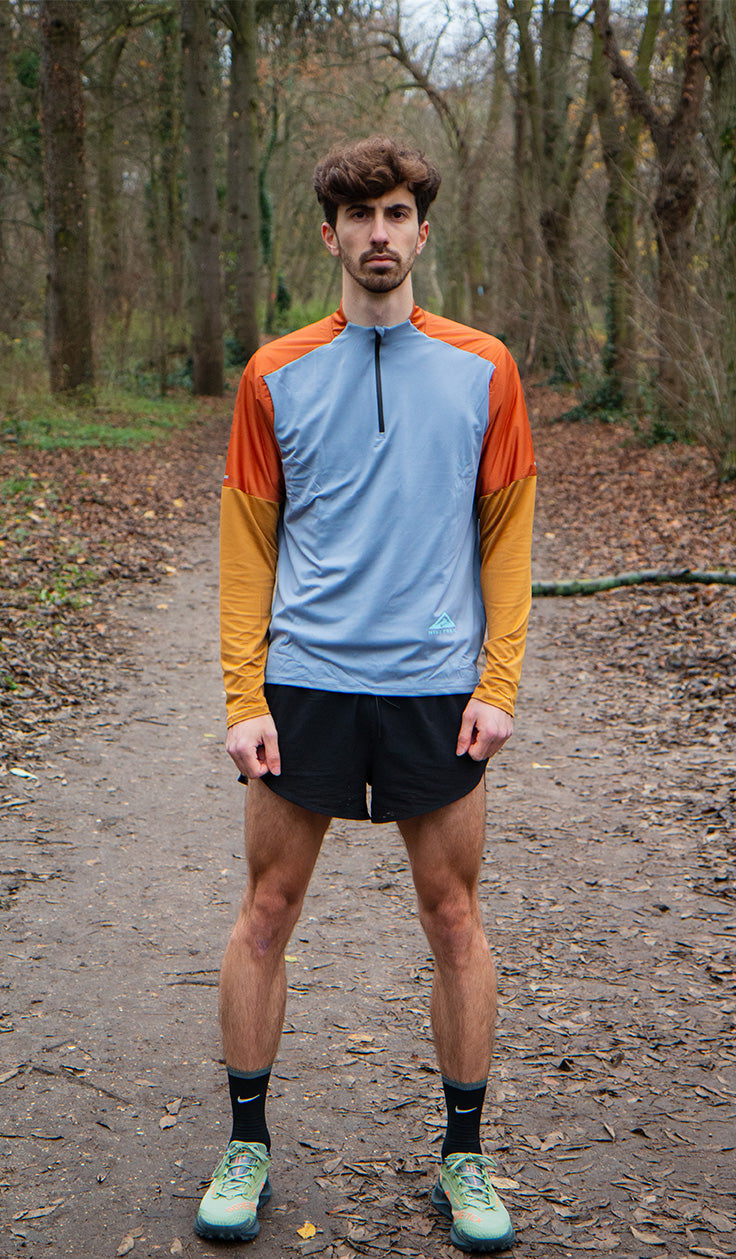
(655, 576)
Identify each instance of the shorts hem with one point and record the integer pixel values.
(453, 795)
(286, 793)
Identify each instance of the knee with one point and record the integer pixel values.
(451, 923)
(268, 916)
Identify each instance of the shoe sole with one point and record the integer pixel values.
(233, 1232)
(480, 1245)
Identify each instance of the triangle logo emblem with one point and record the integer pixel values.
(443, 624)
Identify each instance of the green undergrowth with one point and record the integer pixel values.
(113, 417)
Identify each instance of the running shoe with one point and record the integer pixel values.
(464, 1193)
(240, 1185)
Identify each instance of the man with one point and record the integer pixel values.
(376, 514)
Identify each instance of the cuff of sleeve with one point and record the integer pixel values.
(243, 710)
(492, 691)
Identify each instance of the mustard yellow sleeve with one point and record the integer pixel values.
(248, 555)
(505, 519)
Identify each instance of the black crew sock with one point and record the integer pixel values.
(248, 1099)
(464, 1109)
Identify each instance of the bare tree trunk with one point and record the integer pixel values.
(170, 131)
(523, 300)
(718, 430)
(69, 329)
(619, 145)
(5, 48)
(676, 199)
(108, 190)
(164, 219)
(203, 229)
(242, 172)
(558, 154)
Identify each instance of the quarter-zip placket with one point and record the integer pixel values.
(379, 388)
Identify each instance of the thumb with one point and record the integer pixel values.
(465, 737)
(272, 754)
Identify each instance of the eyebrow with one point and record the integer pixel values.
(363, 205)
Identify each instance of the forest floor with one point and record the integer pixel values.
(608, 888)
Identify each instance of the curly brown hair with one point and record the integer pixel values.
(369, 168)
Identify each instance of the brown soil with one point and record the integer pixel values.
(608, 892)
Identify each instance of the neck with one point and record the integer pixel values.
(382, 310)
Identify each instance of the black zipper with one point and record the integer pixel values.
(379, 390)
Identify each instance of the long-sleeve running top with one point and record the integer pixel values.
(376, 515)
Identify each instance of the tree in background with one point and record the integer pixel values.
(560, 113)
(675, 135)
(69, 327)
(716, 321)
(203, 226)
(619, 131)
(5, 49)
(164, 222)
(112, 40)
(242, 210)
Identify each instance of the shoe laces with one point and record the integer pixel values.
(472, 1173)
(239, 1164)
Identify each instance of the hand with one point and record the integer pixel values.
(484, 730)
(254, 746)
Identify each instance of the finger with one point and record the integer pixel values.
(465, 737)
(488, 746)
(247, 761)
(254, 766)
(272, 755)
(479, 751)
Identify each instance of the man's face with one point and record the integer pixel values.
(378, 239)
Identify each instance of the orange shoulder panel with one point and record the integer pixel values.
(508, 454)
(253, 458)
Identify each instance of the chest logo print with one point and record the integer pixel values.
(443, 625)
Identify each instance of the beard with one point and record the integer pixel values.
(377, 281)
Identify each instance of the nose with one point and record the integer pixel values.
(379, 231)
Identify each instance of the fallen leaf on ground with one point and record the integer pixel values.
(307, 1230)
(552, 1140)
(649, 1239)
(39, 1212)
(125, 1246)
(722, 1223)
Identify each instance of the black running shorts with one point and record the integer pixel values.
(403, 747)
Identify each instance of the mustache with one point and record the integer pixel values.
(379, 253)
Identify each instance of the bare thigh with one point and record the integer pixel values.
(282, 843)
(445, 849)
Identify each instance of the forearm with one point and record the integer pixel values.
(248, 556)
(505, 519)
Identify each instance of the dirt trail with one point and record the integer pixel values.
(607, 898)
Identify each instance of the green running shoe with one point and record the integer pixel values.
(240, 1185)
(465, 1194)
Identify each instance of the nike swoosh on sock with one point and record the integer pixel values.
(465, 1111)
(249, 1099)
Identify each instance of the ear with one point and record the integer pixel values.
(329, 236)
(422, 236)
